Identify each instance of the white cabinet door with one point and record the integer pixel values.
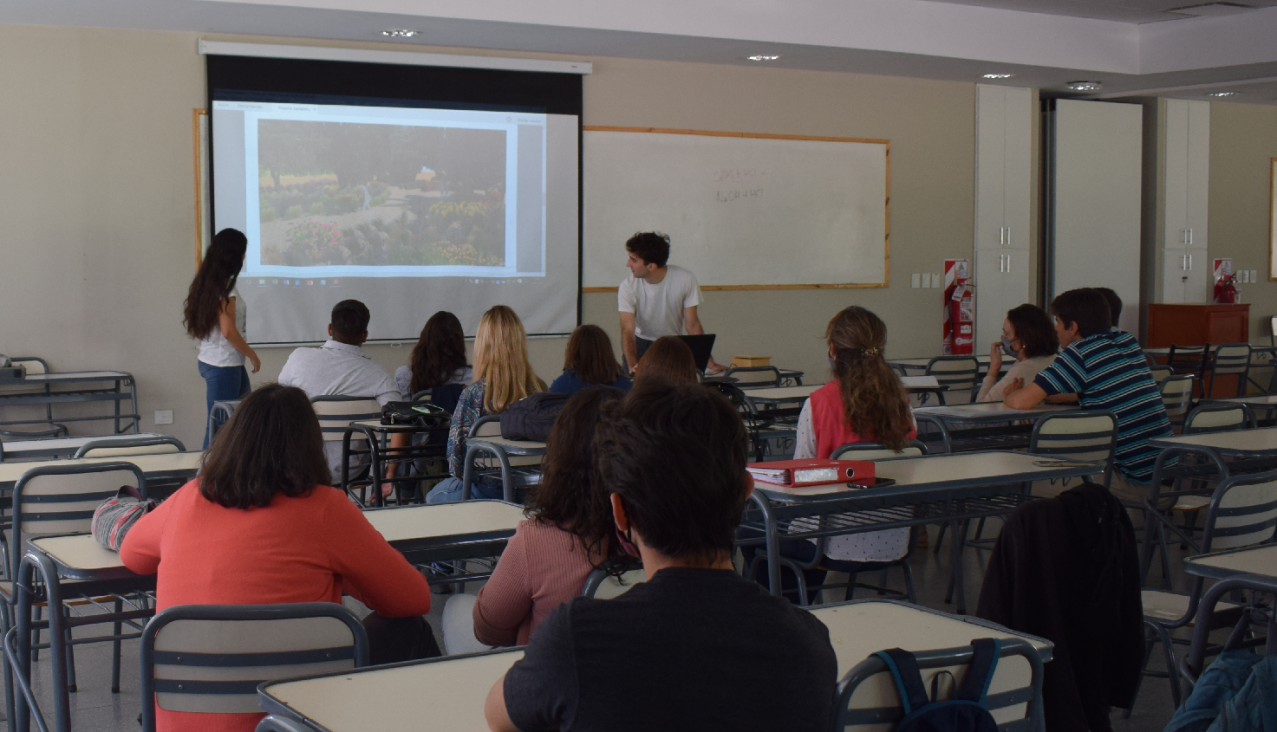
(1174, 275)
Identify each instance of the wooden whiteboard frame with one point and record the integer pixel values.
(199, 126)
(886, 256)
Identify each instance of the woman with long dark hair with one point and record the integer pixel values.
(589, 361)
(262, 525)
(438, 358)
(215, 315)
(1028, 336)
(569, 531)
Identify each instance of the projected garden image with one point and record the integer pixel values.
(363, 194)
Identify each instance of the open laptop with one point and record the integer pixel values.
(702, 346)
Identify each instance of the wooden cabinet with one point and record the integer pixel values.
(1004, 163)
(1193, 325)
(1185, 264)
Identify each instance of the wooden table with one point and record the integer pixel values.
(448, 694)
(62, 446)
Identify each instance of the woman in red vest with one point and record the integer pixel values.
(863, 403)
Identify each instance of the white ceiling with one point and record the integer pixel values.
(1045, 43)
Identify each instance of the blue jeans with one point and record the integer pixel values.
(448, 490)
(223, 384)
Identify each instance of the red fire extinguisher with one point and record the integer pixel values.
(1225, 291)
(962, 317)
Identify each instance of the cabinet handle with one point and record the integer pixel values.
(1183, 262)
(1008, 264)
(1002, 238)
(1190, 243)
(1183, 235)
(1008, 244)
(1002, 263)
(1190, 261)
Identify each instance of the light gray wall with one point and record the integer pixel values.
(96, 191)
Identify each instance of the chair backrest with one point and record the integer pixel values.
(1242, 512)
(337, 412)
(1219, 417)
(1160, 373)
(33, 365)
(272, 723)
(210, 658)
(1177, 394)
(140, 446)
(489, 425)
(1231, 358)
(1089, 436)
(877, 451)
(602, 585)
(959, 373)
(60, 499)
(219, 414)
(869, 702)
(754, 377)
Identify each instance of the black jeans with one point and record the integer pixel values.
(392, 640)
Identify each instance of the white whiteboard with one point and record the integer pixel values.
(740, 211)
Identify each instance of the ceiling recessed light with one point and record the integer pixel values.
(998, 76)
(400, 33)
(1222, 94)
(1084, 85)
(764, 57)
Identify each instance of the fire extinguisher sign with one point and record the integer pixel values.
(959, 308)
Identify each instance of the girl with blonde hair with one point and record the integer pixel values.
(502, 376)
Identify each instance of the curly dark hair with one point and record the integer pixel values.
(568, 495)
(271, 444)
(214, 282)
(440, 352)
(652, 247)
(1034, 330)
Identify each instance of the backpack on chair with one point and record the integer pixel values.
(964, 712)
(531, 417)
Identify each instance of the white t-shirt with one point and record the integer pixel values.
(215, 350)
(658, 309)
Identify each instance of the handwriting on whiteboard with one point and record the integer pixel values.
(728, 196)
(737, 174)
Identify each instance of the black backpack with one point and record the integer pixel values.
(965, 712)
(532, 417)
(419, 414)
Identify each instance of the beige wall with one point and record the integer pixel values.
(1243, 142)
(96, 194)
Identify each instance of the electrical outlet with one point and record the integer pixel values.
(164, 416)
(915, 280)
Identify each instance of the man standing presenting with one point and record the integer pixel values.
(659, 300)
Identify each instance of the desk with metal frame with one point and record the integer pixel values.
(1256, 443)
(161, 468)
(976, 422)
(450, 691)
(438, 532)
(1255, 563)
(933, 489)
(377, 437)
(60, 447)
(12, 393)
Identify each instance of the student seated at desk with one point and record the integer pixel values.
(340, 368)
(502, 376)
(697, 646)
(589, 361)
(667, 359)
(439, 358)
(1028, 336)
(864, 403)
(1107, 370)
(568, 532)
(261, 525)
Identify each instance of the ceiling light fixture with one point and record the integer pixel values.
(399, 33)
(1084, 86)
(1222, 94)
(764, 57)
(998, 76)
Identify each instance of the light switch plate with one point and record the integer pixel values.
(926, 279)
(164, 416)
(937, 280)
(915, 280)
(1254, 275)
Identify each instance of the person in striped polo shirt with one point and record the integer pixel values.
(1105, 369)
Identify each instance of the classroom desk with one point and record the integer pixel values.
(62, 568)
(776, 396)
(449, 693)
(1252, 563)
(952, 488)
(443, 531)
(61, 447)
(165, 467)
(982, 425)
(39, 389)
(1257, 443)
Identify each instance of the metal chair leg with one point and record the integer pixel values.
(115, 650)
